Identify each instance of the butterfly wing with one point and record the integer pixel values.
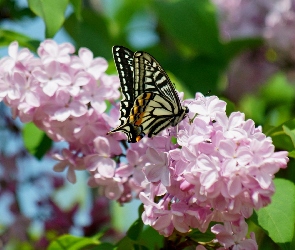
(161, 107)
(154, 77)
(152, 113)
(123, 58)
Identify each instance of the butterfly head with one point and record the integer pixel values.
(186, 110)
(183, 112)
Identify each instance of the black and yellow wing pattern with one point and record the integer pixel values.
(149, 102)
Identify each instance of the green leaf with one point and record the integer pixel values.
(36, 141)
(278, 90)
(292, 154)
(77, 4)
(201, 237)
(7, 37)
(234, 47)
(290, 133)
(191, 22)
(151, 238)
(278, 218)
(283, 135)
(70, 242)
(123, 12)
(52, 12)
(104, 246)
(125, 243)
(135, 229)
(90, 32)
(199, 74)
(253, 108)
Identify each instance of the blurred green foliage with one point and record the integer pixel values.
(187, 41)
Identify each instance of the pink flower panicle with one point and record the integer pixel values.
(63, 94)
(270, 19)
(222, 170)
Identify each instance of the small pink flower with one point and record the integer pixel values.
(64, 107)
(233, 235)
(51, 78)
(70, 161)
(157, 169)
(111, 84)
(17, 60)
(101, 161)
(49, 51)
(94, 95)
(94, 66)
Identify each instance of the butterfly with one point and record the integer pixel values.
(149, 102)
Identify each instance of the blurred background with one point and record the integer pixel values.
(240, 50)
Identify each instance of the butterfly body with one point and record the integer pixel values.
(150, 102)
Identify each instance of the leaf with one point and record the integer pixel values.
(36, 141)
(283, 135)
(52, 12)
(278, 218)
(77, 4)
(191, 22)
(8, 36)
(201, 237)
(290, 133)
(104, 246)
(123, 14)
(151, 238)
(199, 74)
(125, 243)
(278, 90)
(253, 107)
(234, 47)
(90, 32)
(70, 242)
(292, 154)
(135, 229)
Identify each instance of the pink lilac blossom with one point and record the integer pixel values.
(271, 20)
(280, 29)
(64, 95)
(222, 171)
(243, 18)
(252, 18)
(232, 235)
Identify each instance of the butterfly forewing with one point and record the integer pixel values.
(123, 58)
(154, 77)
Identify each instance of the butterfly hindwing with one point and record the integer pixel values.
(149, 100)
(152, 113)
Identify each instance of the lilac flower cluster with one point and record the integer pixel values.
(220, 169)
(63, 94)
(253, 18)
(271, 20)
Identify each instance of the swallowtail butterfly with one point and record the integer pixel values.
(149, 101)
